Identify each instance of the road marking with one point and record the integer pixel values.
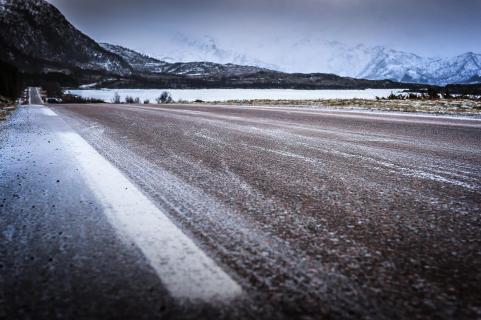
(186, 271)
(48, 112)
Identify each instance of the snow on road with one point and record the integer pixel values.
(186, 271)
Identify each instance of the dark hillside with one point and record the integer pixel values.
(10, 83)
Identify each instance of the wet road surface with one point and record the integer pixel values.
(304, 213)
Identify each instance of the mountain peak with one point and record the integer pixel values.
(145, 64)
(35, 36)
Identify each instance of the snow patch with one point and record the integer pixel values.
(47, 112)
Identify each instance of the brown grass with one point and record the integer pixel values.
(442, 106)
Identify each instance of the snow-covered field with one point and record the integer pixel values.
(210, 95)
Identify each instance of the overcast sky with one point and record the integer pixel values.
(425, 27)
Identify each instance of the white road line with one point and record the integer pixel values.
(186, 271)
(48, 112)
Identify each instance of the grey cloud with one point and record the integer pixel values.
(428, 27)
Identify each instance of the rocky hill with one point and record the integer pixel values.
(36, 37)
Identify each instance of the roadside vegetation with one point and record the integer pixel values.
(7, 105)
(132, 100)
(165, 97)
(3, 114)
(409, 103)
(433, 94)
(10, 89)
(70, 98)
(116, 98)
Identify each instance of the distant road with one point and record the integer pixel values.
(34, 96)
(202, 211)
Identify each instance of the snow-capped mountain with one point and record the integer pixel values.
(379, 62)
(36, 37)
(181, 48)
(407, 67)
(144, 64)
(203, 69)
(317, 55)
(209, 74)
(361, 61)
(139, 62)
(465, 68)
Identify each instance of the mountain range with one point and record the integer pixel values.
(178, 47)
(314, 55)
(142, 63)
(37, 39)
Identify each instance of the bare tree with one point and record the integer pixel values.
(165, 97)
(116, 98)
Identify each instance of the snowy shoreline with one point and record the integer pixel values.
(212, 95)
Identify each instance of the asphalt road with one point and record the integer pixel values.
(294, 213)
